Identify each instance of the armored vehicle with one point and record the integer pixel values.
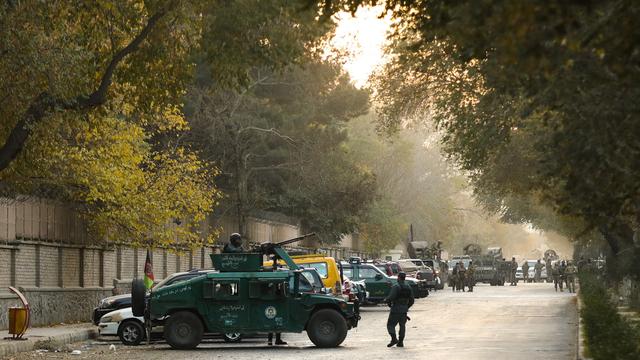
(243, 297)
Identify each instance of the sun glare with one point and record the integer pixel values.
(360, 39)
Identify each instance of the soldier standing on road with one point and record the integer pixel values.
(234, 245)
(471, 280)
(454, 276)
(525, 271)
(548, 264)
(557, 280)
(400, 299)
(514, 269)
(563, 268)
(538, 269)
(570, 273)
(462, 273)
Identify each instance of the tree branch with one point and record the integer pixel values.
(45, 103)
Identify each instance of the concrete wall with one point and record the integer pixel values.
(46, 252)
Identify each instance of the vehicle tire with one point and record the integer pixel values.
(232, 337)
(327, 328)
(183, 330)
(138, 293)
(131, 332)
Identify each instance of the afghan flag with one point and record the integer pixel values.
(148, 272)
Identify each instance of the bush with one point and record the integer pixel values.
(609, 336)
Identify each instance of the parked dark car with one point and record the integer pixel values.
(117, 302)
(390, 268)
(379, 283)
(440, 271)
(110, 304)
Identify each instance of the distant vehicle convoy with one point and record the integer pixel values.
(261, 295)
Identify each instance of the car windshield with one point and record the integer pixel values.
(347, 271)
(176, 278)
(408, 266)
(313, 278)
(321, 267)
(453, 262)
(369, 272)
(304, 284)
(395, 269)
(418, 262)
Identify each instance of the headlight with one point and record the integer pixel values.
(106, 319)
(106, 303)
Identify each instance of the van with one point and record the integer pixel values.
(325, 265)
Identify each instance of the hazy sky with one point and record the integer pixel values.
(362, 38)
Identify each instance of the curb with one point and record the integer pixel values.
(14, 347)
(581, 335)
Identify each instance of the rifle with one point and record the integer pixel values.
(269, 248)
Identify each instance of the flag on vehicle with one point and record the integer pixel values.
(148, 272)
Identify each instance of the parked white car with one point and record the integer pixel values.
(532, 271)
(130, 329)
(122, 323)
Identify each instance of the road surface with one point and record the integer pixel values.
(529, 321)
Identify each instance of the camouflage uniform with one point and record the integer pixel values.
(514, 269)
(538, 269)
(454, 277)
(471, 281)
(462, 273)
(557, 279)
(525, 271)
(570, 274)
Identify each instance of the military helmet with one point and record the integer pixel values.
(235, 239)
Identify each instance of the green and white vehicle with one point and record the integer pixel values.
(244, 298)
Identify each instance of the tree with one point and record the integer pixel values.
(280, 145)
(92, 95)
(556, 82)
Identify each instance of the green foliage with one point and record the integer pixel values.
(537, 102)
(91, 101)
(608, 335)
(280, 145)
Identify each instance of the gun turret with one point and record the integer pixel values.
(269, 248)
(278, 252)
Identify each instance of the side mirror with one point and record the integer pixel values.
(378, 277)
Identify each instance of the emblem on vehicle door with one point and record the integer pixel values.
(270, 312)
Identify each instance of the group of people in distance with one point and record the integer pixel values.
(462, 277)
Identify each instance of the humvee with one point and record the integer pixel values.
(243, 297)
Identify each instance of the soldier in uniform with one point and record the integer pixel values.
(525, 271)
(234, 245)
(538, 269)
(400, 299)
(557, 280)
(514, 268)
(454, 277)
(548, 264)
(471, 281)
(570, 273)
(462, 273)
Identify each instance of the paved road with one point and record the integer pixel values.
(530, 321)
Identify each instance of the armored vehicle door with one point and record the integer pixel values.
(377, 284)
(226, 305)
(268, 304)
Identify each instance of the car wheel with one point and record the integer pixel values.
(138, 292)
(232, 337)
(183, 330)
(131, 332)
(327, 328)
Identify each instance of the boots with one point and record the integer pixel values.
(393, 342)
